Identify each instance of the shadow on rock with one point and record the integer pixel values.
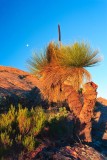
(99, 128)
(27, 98)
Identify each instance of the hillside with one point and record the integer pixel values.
(13, 78)
(17, 86)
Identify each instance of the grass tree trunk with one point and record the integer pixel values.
(89, 99)
(82, 107)
(73, 99)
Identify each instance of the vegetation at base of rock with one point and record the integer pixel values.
(21, 127)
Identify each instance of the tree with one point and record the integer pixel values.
(61, 70)
(65, 64)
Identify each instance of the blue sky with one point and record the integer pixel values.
(34, 22)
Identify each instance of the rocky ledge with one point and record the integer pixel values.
(75, 152)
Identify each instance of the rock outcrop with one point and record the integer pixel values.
(17, 86)
(99, 126)
(102, 101)
(77, 152)
(86, 114)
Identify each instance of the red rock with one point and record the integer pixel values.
(102, 101)
(17, 86)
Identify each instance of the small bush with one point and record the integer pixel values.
(20, 128)
(62, 112)
(29, 142)
(7, 119)
(5, 143)
(58, 125)
(18, 139)
(38, 120)
(31, 121)
(24, 120)
(5, 139)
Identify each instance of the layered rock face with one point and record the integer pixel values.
(17, 86)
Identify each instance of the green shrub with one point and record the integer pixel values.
(31, 121)
(24, 121)
(29, 142)
(7, 119)
(5, 139)
(20, 127)
(5, 143)
(38, 120)
(59, 127)
(18, 139)
(62, 112)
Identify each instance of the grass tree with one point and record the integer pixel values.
(62, 72)
(65, 64)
